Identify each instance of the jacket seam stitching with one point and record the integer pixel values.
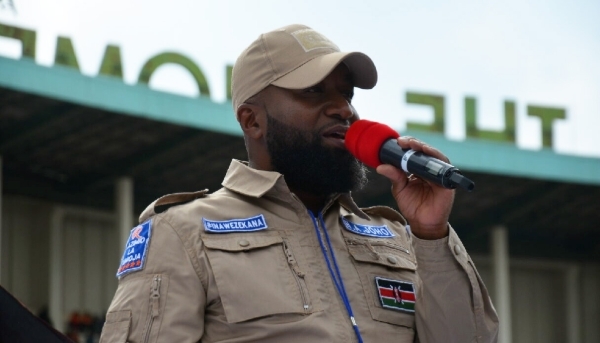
(194, 260)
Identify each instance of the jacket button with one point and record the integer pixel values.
(244, 243)
(457, 249)
(392, 260)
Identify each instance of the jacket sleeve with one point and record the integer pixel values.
(453, 304)
(163, 302)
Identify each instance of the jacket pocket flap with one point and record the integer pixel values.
(241, 242)
(384, 256)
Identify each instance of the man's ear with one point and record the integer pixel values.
(250, 120)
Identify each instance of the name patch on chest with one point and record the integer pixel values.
(236, 225)
(368, 230)
(136, 248)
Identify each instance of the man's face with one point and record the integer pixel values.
(305, 135)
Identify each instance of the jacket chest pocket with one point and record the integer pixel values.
(388, 276)
(257, 275)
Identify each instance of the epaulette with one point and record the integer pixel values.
(167, 201)
(385, 212)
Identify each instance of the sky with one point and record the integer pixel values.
(531, 52)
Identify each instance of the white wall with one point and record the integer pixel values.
(25, 249)
(538, 299)
(590, 290)
(90, 256)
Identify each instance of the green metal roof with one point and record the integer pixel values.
(112, 94)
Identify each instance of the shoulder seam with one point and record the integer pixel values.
(167, 201)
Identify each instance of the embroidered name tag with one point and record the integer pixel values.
(136, 248)
(236, 225)
(368, 230)
(396, 295)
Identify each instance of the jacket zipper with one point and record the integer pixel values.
(153, 309)
(298, 275)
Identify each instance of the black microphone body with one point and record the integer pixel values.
(423, 166)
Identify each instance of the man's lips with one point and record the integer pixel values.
(336, 135)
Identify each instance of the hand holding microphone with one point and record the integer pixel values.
(375, 143)
(426, 201)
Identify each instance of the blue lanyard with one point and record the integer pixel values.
(337, 276)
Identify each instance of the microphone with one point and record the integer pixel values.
(375, 143)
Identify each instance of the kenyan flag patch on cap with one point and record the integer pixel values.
(396, 295)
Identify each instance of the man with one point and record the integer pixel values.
(282, 253)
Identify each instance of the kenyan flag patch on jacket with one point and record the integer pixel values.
(396, 295)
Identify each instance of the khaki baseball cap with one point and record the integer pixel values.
(294, 57)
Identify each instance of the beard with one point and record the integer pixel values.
(308, 165)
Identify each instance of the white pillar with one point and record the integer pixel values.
(573, 304)
(124, 208)
(55, 289)
(501, 269)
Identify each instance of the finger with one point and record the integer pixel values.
(404, 141)
(433, 152)
(408, 142)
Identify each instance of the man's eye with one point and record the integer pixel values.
(349, 96)
(312, 90)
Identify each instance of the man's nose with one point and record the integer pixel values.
(339, 107)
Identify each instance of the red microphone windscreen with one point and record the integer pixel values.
(364, 139)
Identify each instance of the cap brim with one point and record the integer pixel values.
(362, 69)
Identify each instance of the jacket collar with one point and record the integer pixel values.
(240, 178)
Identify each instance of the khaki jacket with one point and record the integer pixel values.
(267, 280)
